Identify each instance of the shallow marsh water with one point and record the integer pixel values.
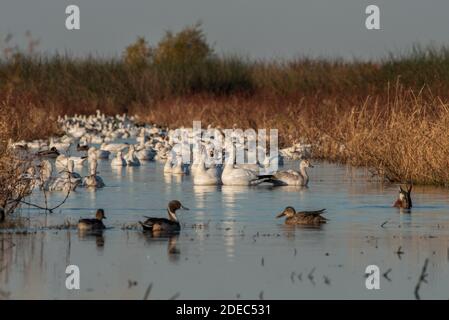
(231, 246)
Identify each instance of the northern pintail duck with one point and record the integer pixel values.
(302, 217)
(404, 200)
(293, 177)
(93, 224)
(162, 224)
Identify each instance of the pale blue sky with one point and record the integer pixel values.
(259, 28)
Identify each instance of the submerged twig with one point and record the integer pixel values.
(310, 276)
(399, 252)
(175, 296)
(422, 278)
(147, 292)
(385, 275)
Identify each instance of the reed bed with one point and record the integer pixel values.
(389, 115)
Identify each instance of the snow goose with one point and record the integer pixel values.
(206, 177)
(131, 159)
(293, 177)
(93, 180)
(67, 181)
(237, 176)
(145, 153)
(118, 161)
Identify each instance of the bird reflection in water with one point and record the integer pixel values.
(292, 231)
(91, 235)
(173, 251)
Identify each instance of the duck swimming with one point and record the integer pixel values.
(93, 224)
(162, 224)
(51, 153)
(404, 200)
(302, 217)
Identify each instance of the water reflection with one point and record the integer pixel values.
(97, 235)
(173, 252)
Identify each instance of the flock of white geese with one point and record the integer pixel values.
(98, 136)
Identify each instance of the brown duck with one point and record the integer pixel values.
(404, 200)
(302, 217)
(162, 224)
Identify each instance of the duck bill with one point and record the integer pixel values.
(185, 208)
(280, 215)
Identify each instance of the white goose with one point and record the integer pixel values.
(144, 152)
(237, 176)
(98, 154)
(93, 180)
(293, 177)
(114, 147)
(206, 177)
(131, 159)
(67, 181)
(118, 161)
(179, 167)
(62, 161)
(168, 167)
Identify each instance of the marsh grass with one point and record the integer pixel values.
(390, 115)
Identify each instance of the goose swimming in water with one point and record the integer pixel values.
(93, 180)
(179, 167)
(206, 177)
(93, 224)
(131, 159)
(293, 177)
(68, 180)
(302, 217)
(62, 161)
(162, 224)
(118, 161)
(237, 176)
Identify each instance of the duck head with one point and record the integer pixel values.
(288, 212)
(99, 215)
(173, 206)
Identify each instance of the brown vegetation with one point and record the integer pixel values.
(390, 115)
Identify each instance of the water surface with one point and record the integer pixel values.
(231, 246)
